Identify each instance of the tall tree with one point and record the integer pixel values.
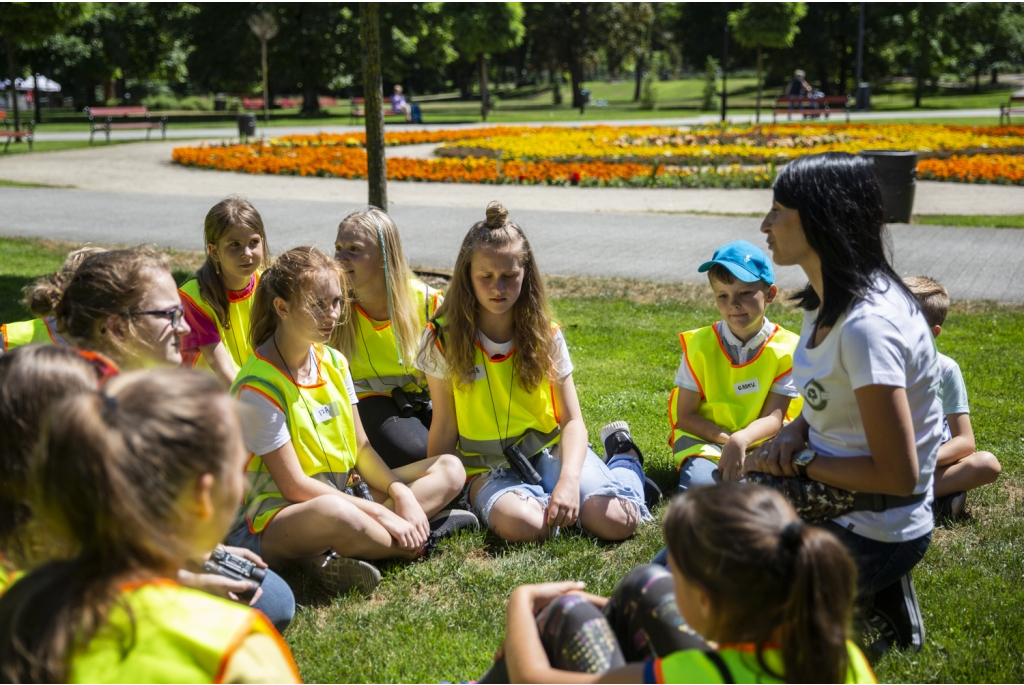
(264, 27)
(766, 25)
(628, 29)
(566, 36)
(482, 28)
(373, 92)
(26, 24)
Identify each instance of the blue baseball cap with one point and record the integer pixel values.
(746, 261)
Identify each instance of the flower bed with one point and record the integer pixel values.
(699, 156)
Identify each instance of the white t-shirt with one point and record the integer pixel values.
(740, 353)
(882, 340)
(430, 361)
(952, 393)
(264, 427)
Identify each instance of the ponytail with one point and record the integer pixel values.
(114, 466)
(765, 571)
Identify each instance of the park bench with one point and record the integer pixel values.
(10, 133)
(810, 107)
(1014, 106)
(108, 124)
(359, 108)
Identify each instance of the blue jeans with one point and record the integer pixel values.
(879, 564)
(621, 477)
(277, 601)
(696, 471)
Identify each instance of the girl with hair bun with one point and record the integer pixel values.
(379, 334)
(772, 597)
(218, 299)
(41, 298)
(504, 400)
(124, 304)
(317, 490)
(144, 477)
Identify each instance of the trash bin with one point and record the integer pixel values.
(415, 114)
(896, 171)
(220, 102)
(863, 98)
(246, 125)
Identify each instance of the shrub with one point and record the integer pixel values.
(710, 93)
(161, 102)
(196, 103)
(648, 96)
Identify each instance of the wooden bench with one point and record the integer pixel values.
(1014, 106)
(10, 133)
(359, 108)
(810, 107)
(108, 124)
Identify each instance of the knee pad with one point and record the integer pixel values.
(642, 611)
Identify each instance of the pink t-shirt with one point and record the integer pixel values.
(204, 329)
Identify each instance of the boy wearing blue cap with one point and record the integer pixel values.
(735, 384)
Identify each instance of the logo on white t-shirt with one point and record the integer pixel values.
(815, 395)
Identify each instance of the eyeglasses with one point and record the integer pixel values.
(173, 314)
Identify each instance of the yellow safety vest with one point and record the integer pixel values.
(732, 395)
(41, 331)
(8, 574)
(320, 423)
(181, 636)
(235, 338)
(495, 400)
(695, 666)
(375, 367)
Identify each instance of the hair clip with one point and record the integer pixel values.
(792, 535)
(109, 402)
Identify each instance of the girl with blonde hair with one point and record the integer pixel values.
(504, 400)
(218, 300)
(144, 476)
(385, 316)
(317, 490)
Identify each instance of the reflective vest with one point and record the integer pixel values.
(495, 400)
(695, 666)
(732, 395)
(181, 636)
(320, 423)
(42, 331)
(375, 367)
(235, 338)
(8, 574)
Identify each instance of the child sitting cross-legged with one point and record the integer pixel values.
(959, 468)
(735, 384)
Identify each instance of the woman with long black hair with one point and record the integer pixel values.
(866, 366)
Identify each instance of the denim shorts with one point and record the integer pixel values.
(241, 536)
(622, 477)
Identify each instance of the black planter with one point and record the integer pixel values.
(246, 125)
(896, 171)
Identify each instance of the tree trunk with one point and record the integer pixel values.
(266, 87)
(918, 87)
(977, 80)
(373, 92)
(995, 77)
(576, 74)
(12, 90)
(556, 82)
(639, 77)
(481, 62)
(757, 107)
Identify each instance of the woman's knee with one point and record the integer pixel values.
(610, 518)
(518, 519)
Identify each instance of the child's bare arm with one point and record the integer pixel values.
(962, 445)
(767, 425)
(689, 420)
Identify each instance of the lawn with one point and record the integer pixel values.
(982, 220)
(441, 619)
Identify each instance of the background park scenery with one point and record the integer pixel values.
(656, 109)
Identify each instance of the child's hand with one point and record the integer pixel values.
(564, 505)
(540, 595)
(776, 456)
(730, 465)
(408, 507)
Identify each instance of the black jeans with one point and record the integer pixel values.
(879, 564)
(399, 441)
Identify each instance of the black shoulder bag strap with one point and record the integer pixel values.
(719, 663)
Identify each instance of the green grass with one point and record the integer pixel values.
(983, 220)
(441, 619)
(56, 145)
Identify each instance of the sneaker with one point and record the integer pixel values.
(949, 507)
(339, 575)
(616, 440)
(446, 524)
(897, 616)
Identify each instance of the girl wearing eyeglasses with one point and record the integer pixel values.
(124, 304)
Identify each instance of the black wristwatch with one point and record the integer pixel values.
(803, 460)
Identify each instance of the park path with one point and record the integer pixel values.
(132, 193)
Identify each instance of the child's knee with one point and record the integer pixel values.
(452, 471)
(610, 518)
(335, 512)
(518, 518)
(988, 463)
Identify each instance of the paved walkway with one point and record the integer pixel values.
(132, 194)
(217, 133)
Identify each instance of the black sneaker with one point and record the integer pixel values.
(896, 615)
(616, 440)
(949, 507)
(339, 575)
(446, 524)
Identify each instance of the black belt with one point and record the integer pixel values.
(872, 501)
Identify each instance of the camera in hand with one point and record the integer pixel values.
(235, 567)
(521, 465)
